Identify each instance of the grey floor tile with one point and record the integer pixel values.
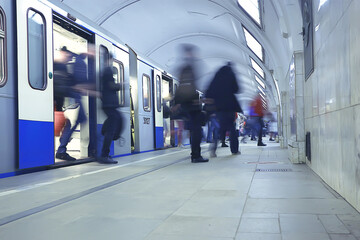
(181, 237)
(354, 227)
(278, 188)
(213, 204)
(260, 215)
(92, 228)
(304, 206)
(300, 223)
(198, 226)
(342, 237)
(332, 224)
(258, 225)
(258, 236)
(349, 217)
(305, 236)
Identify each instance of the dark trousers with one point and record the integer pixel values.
(114, 121)
(213, 129)
(195, 133)
(222, 135)
(261, 126)
(227, 123)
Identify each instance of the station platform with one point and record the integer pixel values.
(161, 195)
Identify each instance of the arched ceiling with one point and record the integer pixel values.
(156, 28)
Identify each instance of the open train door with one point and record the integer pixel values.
(103, 50)
(158, 114)
(35, 84)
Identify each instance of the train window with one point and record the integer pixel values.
(146, 93)
(118, 73)
(36, 50)
(2, 49)
(104, 58)
(158, 93)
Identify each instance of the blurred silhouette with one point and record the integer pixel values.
(257, 113)
(166, 115)
(222, 90)
(188, 99)
(72, 86)
(110, 102)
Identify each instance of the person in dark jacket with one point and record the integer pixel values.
(188, 98)
(221, 91)
(110, 102)
(67, 88)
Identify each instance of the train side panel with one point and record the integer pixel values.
(8, 113)
(121, 68)
(145, 115)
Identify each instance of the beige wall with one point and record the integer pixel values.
(332, 97)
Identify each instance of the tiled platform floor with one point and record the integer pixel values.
(156, 196)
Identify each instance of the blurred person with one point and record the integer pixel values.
(62, 86)
(213, 128)
(178, 115)
(257, 113)
(187, 98)
(110, 102)
(62, 78)
(222, 136)
(245, 130)
(222, 90)
(79, 86)
(166, 115)
(272, 128)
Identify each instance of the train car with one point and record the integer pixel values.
(8, 85)
(32, 32)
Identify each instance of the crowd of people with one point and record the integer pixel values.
(72, 85)
(218, 107)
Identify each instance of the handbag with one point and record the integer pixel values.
(59, 122)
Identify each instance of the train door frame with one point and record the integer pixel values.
(173, 136)
(8, 90)
(122, 146)
(158, 110)
(101, 43)
(167, 121)
(88, 128)
(35, 111)
(144, 131)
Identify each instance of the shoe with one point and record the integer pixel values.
(107, 160)
(261, 144)
(236, 153)
(64, 156)
(271, 139)
(199, 160)
(224, 145)
(180, 146)
(213, 155)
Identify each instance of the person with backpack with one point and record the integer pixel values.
(188, 99)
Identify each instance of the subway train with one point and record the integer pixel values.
(31, 34)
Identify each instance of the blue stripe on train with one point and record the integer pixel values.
(36, 144)
(159, 137)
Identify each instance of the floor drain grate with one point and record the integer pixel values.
(274, 170)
